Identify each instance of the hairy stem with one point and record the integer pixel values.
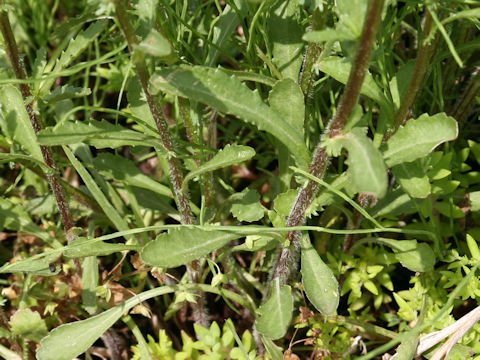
(312, 54)
(464, 105)
(176, 176)
(288, 255)
(20, 73)
(418, 77)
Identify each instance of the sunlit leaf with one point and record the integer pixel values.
(248, 207)
(229, 95)
(29, 324)
(419, 137)
(83, 247)
(365, 163)
(275, 315)
(411, 176)
(15, 123)
(183, 245)
(229, 155)
(320, 284)
(413, 255)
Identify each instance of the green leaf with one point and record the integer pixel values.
(339, 69)
(411, 254)
(29, 324)
(411, 176)
(248, 207)
(419, 137)
(121, 169)
(15, 122)
(474, 197)
(89, 283)
(229, 155)
(76, 46)
(66, 92)
(229, 95)
(328, 35)
(154, 44)
(100, 134)
(117, 220)
(30, 266)
(83, 247)
(183, 245)
(227, 22)
(365, 163)
(285, 32)
(408, 348)
(320, 284)
(14, 217)
(275, 315)
(80, 335)
(351, 14)
(286, 98)
(275, 351)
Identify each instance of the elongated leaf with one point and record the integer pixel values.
(14, 217)
(229, 95)
(419, 137)
(227, 22)
(183, 245)
(124, 170)
(74, 49)
(89, 283)
(100, 134)
(22, 159)
(80, 335)
(31, 266)
(112, 214)
(15, 122)
(276, 313)
(339, 69)
(275, 351)
(83, 247)
(328, 35)
(229, 155)
(411, 254)
(286, 33)
(320, 284)
(408, 348)
(365, 164)
(412, 178)
(287, 99)
(66, 92)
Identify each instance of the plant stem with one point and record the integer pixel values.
(158, 116)
(466, 102)
(20, 73)
(418, 77)
(288, 255)
(312, 54)
(187, 218)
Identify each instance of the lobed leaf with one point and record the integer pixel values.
(365, 163)
(419, 137)
(229, 155)
(182, 245)
(320, 284)
(229, 95)
(66, 92)
(275, 315)
(100, 134)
